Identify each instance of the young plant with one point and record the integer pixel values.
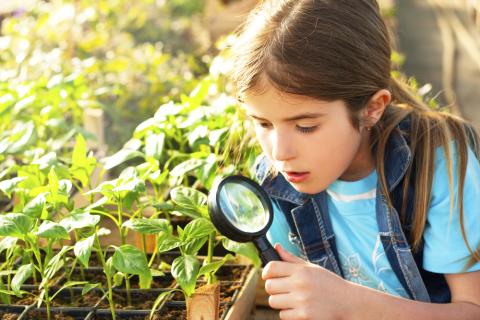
(10, 251)
(22, 227)
(127, 260)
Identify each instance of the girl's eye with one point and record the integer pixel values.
(264, 124)
(306, 129)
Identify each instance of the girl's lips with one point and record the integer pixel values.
(296, 177)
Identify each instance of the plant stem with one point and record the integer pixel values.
(38, 256)
(127, 286)
(82, 272)
(109, 279)
(120, 221)
(144, 244)
(9, 281)
(153, 254)
(211, 244)
(123, 238)
(68, 274)
(47, 300)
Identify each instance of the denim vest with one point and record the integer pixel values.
(310, 223)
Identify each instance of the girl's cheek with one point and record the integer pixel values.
(263, 139)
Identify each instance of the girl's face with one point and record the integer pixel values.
(310, 142)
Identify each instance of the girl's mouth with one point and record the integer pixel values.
(296, 177)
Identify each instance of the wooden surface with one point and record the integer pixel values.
(245, 303)
(263, 313)
(204, 303)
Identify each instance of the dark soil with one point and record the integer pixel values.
(8, 316)
(39, 315)
(172, 313)
(141, 300)
(231, 273)
(129, 317)
(75, 299)
(23, 301)
(175, 313)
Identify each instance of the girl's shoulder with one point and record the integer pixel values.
(445, 248)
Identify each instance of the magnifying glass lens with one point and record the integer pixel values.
(241, 210)
(243, 207)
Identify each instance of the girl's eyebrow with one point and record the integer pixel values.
(308, 115)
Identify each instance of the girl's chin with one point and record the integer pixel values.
(307, 189)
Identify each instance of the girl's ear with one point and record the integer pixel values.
(376, 106)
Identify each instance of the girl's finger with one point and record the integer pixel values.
(278, 269)
(281, 301)
(286, 255)
(290, 314)
(278, 285)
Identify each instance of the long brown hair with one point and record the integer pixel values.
(340, 50)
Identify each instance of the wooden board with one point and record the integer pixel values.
(245, 302)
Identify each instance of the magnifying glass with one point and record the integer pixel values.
(241, 210)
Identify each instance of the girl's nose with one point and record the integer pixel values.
(282, 146)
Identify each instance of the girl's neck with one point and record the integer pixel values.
(362, 165)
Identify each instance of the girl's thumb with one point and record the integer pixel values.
(287, 256)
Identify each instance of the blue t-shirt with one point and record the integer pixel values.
(351, 206)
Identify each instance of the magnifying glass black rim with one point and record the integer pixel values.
(223, 224)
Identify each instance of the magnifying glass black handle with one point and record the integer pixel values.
(267, 252)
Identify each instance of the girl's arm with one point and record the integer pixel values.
(464, 287)
(302, 290)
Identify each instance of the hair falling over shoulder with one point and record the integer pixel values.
(340, 50)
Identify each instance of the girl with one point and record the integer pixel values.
(376, 195)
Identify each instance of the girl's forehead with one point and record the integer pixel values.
(272, 100)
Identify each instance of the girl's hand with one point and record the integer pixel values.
(302, 290)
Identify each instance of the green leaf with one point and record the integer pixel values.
(90, 286)
(145, 279)
(23, 136)
(154, 145)
(157, 273)
(79, 154)
(109, 268)
(46, 161)
(53, 183)
(129, 259)
(54, 265)
(82, 166)
(216, 135)
(147, 226)
(191, 202)
(185, 271)
(183, 168)
(166, 242)
(79, 221)
(161, 298)
(83, 250)
(135, 185)
(214, 266)
(7, 243)
(97, 204)
(245, 249)
(36, 208)
(52, 230)
(192, 246)
(23, 273)
(118, 279)
(8, 186)
(197, 228)
(119, 158)
(15, 225)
